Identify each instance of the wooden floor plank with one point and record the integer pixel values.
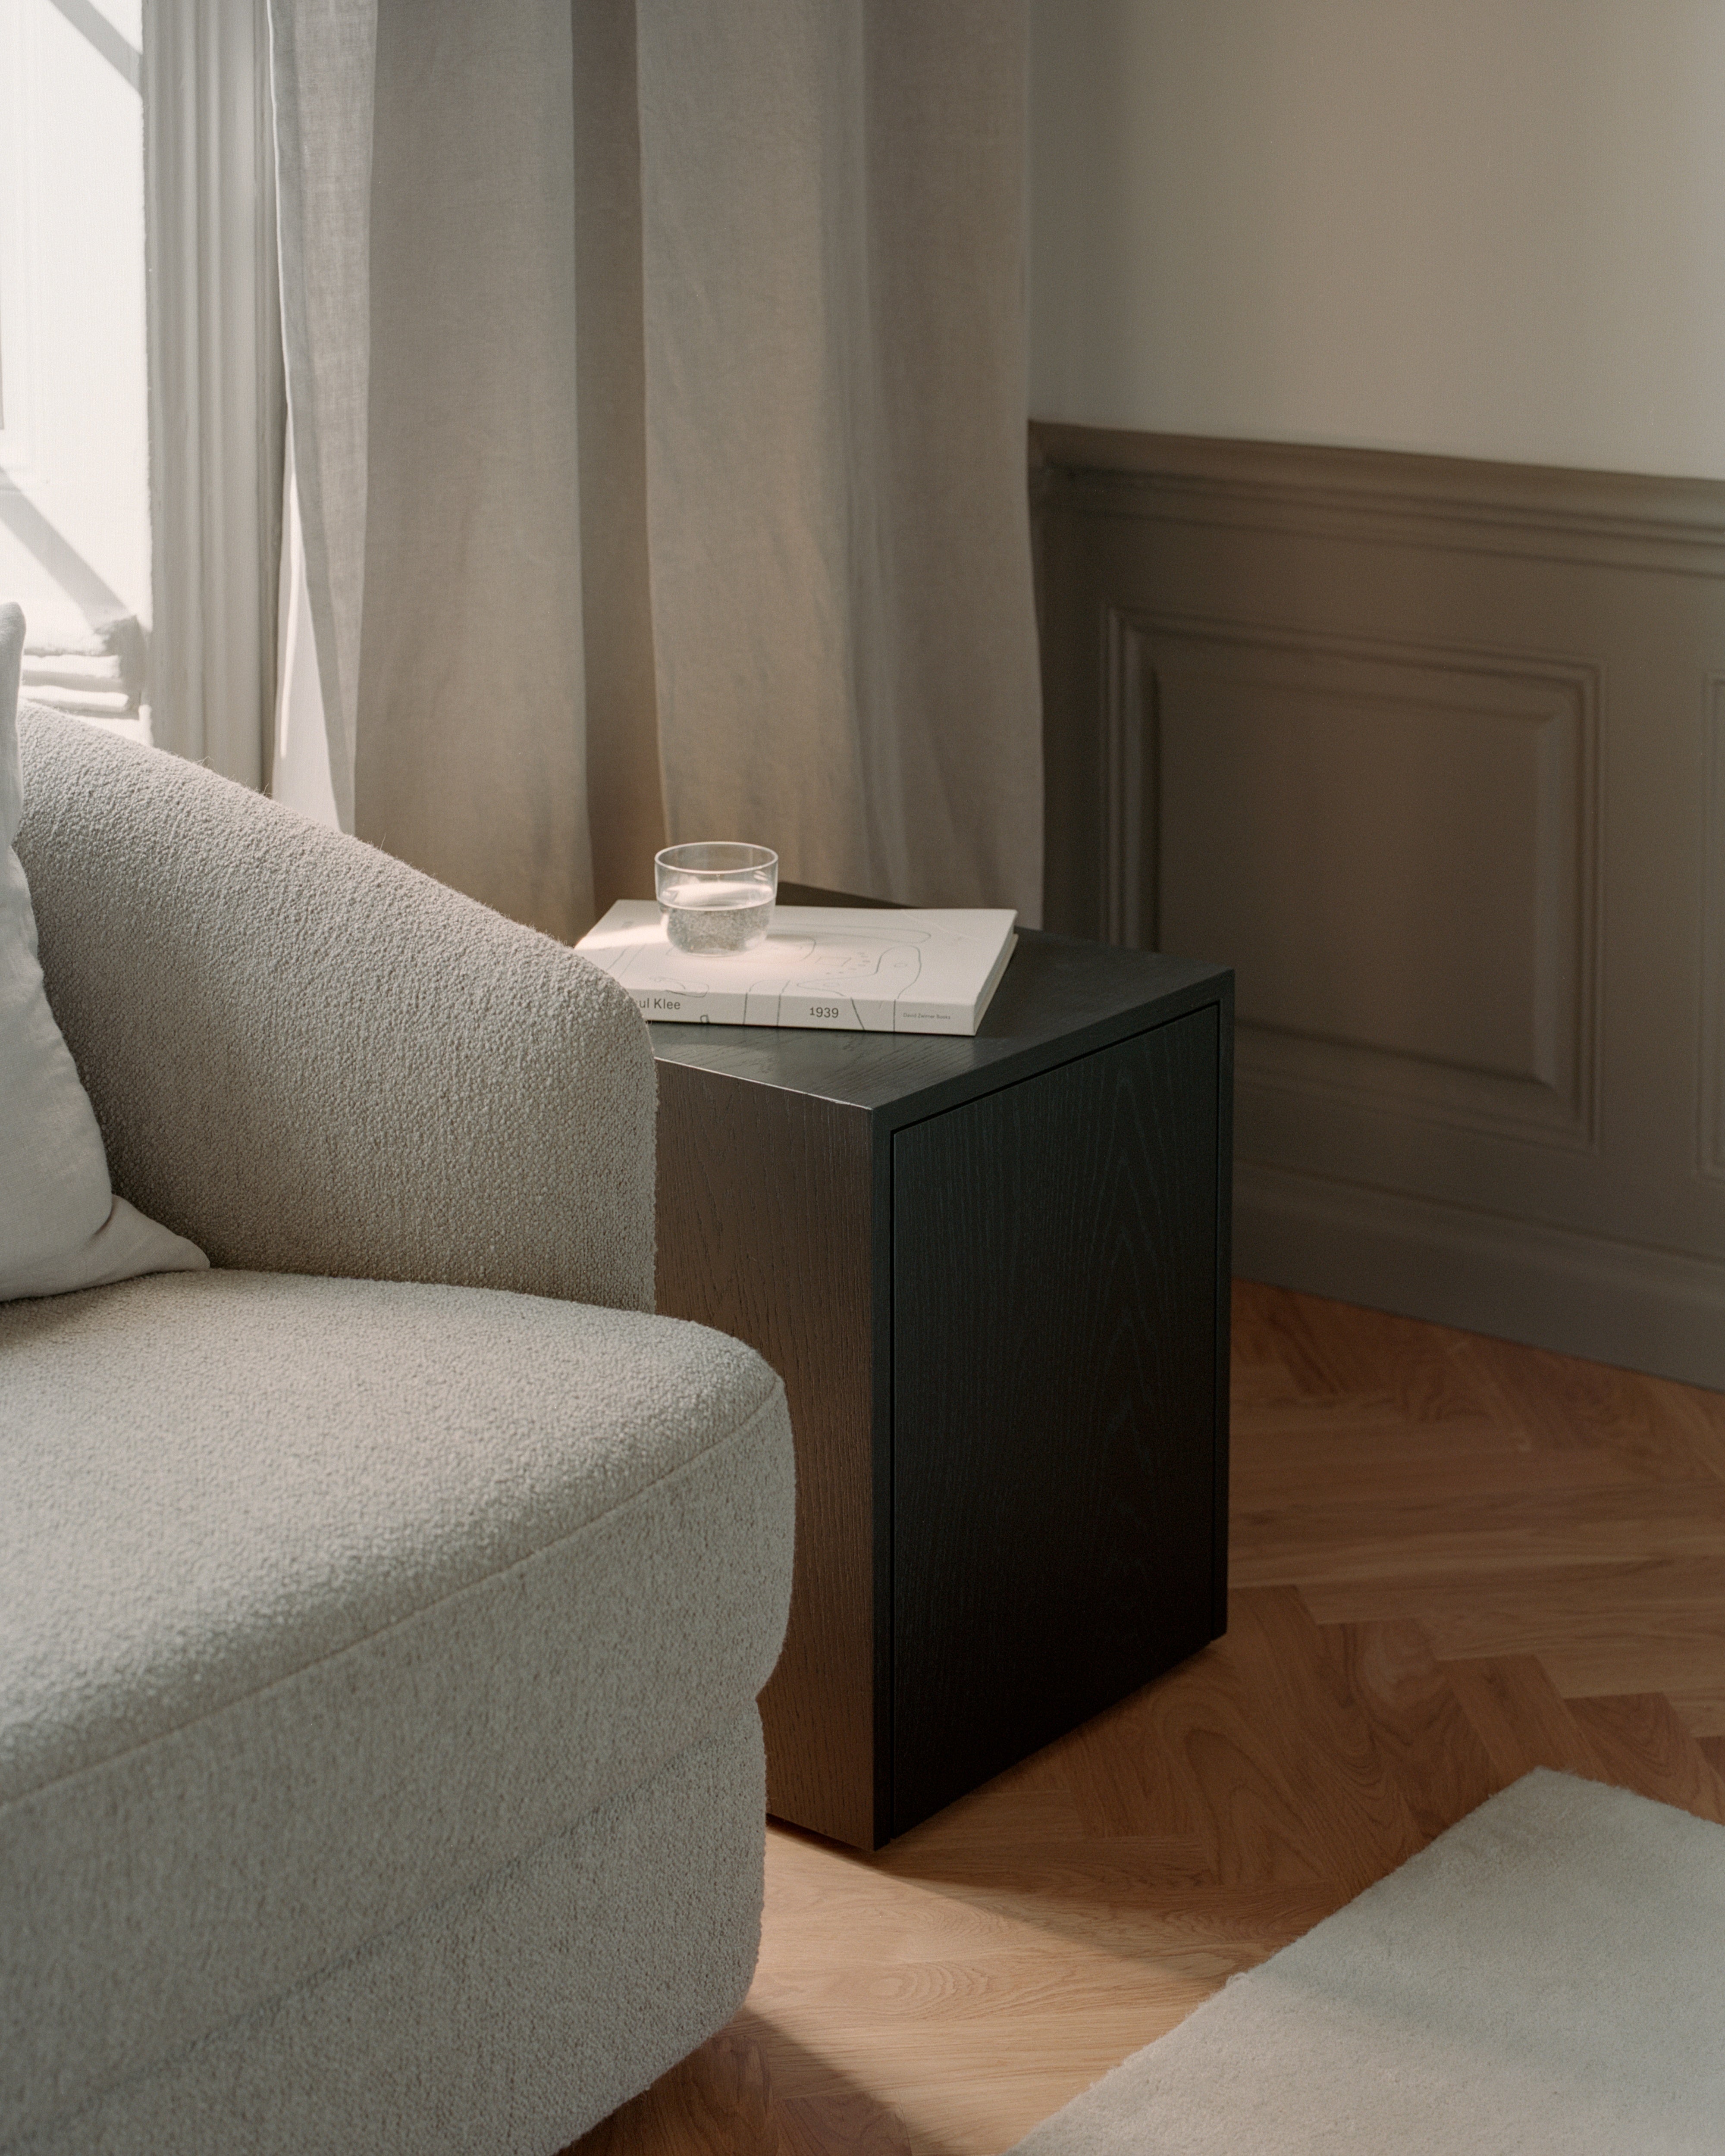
(1522, 1718)
(1296, 1453)
(849, 2124)
(1703, 1707)
(717, 2100)
(1642, 1743)
(1123, 1781)
(1418, 1727)
(1699, 1415)
(1320, 1358)
(1292, 1782)
(1455, 1560)
(1346, 1353)
(1565, 1404)
(1656, 1624)
(1353, 1535)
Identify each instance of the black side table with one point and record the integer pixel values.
(994, 1275)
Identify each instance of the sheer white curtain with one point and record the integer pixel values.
(215, 386)
(776, 583)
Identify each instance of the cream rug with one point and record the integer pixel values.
(1547, 1979)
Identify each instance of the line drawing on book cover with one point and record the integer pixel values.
(820, 966)
(819, 963)
(826, 964)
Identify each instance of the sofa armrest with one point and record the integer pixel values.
(309, 1058)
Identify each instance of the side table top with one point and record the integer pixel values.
(1061, 996)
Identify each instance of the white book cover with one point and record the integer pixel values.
(855, 969)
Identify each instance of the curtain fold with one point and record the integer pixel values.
(776, 583)
(426, 154)
(322, 60)
(832, 232)
(625, 783)
(470, 762)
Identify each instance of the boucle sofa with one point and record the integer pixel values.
(381, 1609)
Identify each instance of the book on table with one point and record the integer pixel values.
(914, 969)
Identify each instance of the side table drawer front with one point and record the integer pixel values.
(1054, 1426)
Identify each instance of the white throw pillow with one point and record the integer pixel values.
(61, 1226)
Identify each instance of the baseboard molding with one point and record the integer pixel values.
(1580, 1295)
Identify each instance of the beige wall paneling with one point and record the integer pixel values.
(1433, 752)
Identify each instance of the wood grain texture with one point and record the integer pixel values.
(1062, 1346)
(942, 1996)
(1054, 1395)
(765, 1230)
(1060, 997)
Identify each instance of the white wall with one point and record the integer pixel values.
(1474, 228)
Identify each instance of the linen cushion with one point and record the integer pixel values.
(319, 1599)
(61, 1225)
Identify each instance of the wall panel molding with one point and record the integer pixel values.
(1547, 1092)
(1415, 744)
(1532, 511)
(1132, 781)
(1710, 1147)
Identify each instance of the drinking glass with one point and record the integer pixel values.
(717, 895)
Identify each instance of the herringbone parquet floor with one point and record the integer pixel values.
(1453, 1560)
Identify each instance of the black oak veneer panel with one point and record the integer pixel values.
(1057, 997)
(993, 1273)
(1053, 1266)
(764, 1232)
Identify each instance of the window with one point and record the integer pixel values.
(142, 406)
(74, 505)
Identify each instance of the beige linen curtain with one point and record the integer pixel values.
(425, 174)
(833, 221)
(656, 379)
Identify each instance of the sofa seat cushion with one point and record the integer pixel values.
(321, 1598)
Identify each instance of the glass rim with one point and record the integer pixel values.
(751, 857)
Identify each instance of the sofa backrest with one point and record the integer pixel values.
(309, 1058)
